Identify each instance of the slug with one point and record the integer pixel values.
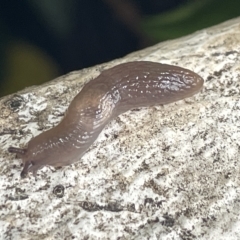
(114, 91)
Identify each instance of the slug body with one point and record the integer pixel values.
(114, 91)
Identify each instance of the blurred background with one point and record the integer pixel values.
(43, 39)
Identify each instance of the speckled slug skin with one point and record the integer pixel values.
(114, 91)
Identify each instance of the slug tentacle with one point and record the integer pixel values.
(114, 91)
(19, 151)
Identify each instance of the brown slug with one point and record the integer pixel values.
(114, 91)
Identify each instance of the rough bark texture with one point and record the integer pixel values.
(169, 172)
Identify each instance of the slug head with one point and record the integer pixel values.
(28, 164)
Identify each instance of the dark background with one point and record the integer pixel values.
(43, 39)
